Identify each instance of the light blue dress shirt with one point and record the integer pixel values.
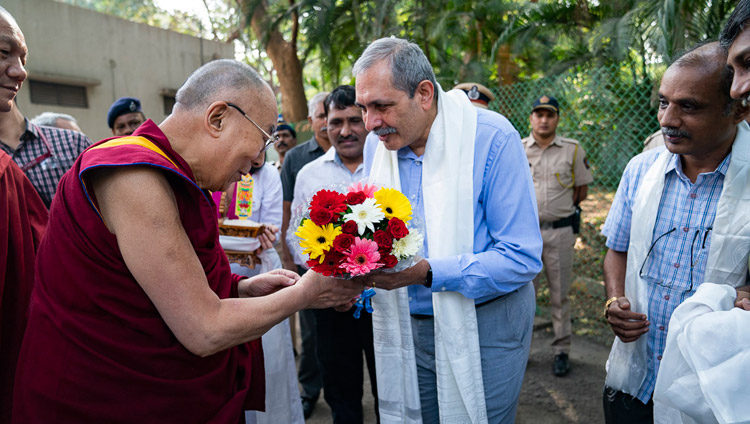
(507, 242)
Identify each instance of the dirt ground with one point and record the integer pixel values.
(545, 399)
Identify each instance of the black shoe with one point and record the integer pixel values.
(307, 407)
(561, 365)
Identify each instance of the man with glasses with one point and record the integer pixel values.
(134, 294)
(678, 219)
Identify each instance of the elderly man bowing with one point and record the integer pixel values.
(452, 335)
(136, 316)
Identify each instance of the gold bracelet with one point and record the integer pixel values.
(607, 304)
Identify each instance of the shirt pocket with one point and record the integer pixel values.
(562, 176)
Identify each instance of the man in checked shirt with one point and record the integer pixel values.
(43, 153)
(679, 219)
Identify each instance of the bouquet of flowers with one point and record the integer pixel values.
(351, 233)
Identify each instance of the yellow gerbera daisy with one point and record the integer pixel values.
(316, 239)
(393, 204)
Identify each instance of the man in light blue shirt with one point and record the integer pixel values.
(340, 338)
(397, 91)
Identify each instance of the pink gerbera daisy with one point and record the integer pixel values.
(368, 189)
(362, 257)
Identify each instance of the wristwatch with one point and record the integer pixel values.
(606, 305)
(428, 277)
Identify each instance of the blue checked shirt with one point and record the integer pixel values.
(677, 263)
(64, 145)
(507, 242)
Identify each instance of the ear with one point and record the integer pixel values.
(426, 92)
(740, 111)
(214, 118)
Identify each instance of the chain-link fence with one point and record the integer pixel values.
(610, 111)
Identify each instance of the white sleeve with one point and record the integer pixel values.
(271, 197)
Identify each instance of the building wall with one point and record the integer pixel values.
(111, 56)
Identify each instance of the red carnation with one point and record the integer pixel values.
(332, 201)
(383, 239)
(389, 261)
(397, 228)
(355, 197)
(349, 227)
(343, 242)
(321, 216)
(331, 265)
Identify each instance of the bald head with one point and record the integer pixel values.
(12, 61)
(220, 80)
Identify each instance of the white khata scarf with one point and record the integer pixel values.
(727, 257)
(449, 221)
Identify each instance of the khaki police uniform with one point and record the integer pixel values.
(552, 169)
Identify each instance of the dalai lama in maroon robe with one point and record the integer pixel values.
(136, 317)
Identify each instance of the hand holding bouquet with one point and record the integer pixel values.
(346, 235)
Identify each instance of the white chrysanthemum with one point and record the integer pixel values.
(408, 246)
(365, 215)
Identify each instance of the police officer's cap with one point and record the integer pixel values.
(547, 102)
(288, 128)
(479, 95)
(122, 106)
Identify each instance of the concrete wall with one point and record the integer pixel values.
(113, 57)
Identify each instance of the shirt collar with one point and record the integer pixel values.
(557, 141)
(31, 132)
(313, 146)
(676, 165)
(332, 156)
(407, 153)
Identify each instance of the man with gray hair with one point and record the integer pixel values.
(57, 120)
(173, 335)
(309, 368)
(453, 332)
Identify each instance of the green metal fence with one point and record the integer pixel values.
(607, 109)
(610, 111)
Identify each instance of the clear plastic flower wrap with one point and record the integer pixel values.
(347, 231)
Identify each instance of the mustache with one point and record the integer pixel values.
(348, 138)
(674, 132)
(384, 131)
(281, 144)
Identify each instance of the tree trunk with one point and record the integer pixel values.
(283, 55)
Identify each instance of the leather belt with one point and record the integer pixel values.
(560, 223)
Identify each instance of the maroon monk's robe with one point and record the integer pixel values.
(96, 348)
(23, 218)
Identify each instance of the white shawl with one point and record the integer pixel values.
(704, 374)
(727, 257)
(449, 220)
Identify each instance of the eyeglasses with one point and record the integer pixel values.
(693, 258)
(269, 138)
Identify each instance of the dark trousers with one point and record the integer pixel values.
(341, 341)
(621, 408)
(309, 368)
